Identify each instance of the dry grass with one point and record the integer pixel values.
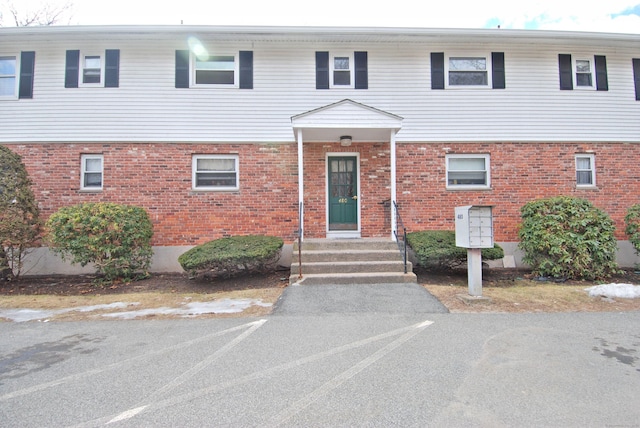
(530, 296)
(138, 301)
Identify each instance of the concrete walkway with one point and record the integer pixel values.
(318, 299)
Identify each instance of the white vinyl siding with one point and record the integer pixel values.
(147, 106)
(215, 172)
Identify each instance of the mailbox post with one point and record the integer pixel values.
(474, 231)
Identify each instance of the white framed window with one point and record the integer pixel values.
(583, 70)
(91, 175)
(341, 71)
(91, 70)
(468, 171)
(468, 71)
(585, 170)
(8, 76)
(218, 70)
(215, 172)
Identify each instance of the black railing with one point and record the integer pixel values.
(401, 240)
(299, 235)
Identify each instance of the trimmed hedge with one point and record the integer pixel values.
(632, 229)
(568, 238)
(437, 249)
(233, 256)
(115, 238)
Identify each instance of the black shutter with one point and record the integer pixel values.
(602, 84)
(27, 65)
(72, 69)
(112, 68)
(437, 70)
(497, 70)
(182, 69)
(636, 76)
(246, 69)
(362, 73)
(566, 73)
(322, 70)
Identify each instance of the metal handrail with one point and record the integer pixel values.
(401, 246)
(299, 233)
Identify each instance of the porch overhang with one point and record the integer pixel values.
(363, 123)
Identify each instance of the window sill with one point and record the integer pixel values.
(467, 188)
(90, 191)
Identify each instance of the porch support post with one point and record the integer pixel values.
(300, 182)
(392, 149)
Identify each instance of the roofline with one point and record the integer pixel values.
(330, 32)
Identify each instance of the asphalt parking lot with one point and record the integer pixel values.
(358, 367)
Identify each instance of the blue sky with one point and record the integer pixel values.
(620, 16)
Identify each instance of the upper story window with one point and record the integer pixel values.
(585, 171)
(228, 70)
(583, 72)
(215, 172)
(92, 69)
(468, 171)
(91, 172)
(8, 76)
(342, 70)
(467, 71)
(16, 75)
(215, 70)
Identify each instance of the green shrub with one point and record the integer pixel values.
(20, 225)
(115, 238)
(233, 256)
(568, 238)
(437, 249)
(632, 221)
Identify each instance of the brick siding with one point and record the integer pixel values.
(157, 176)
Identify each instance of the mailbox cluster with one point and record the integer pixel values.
(474, 226)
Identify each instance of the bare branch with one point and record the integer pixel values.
(45, 14)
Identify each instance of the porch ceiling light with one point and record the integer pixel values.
(345, 140)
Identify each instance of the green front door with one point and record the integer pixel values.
(343, 193)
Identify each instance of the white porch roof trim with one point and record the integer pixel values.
(347, 117)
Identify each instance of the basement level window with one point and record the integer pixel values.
(468, 171)
(585, 171)
(215, 172)
(91, 172)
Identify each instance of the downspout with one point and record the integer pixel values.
(392, 149)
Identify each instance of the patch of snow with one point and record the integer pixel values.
(191, 309)
(23, 315)
(621, 291)
(224, 306)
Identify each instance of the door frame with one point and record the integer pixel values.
(342, 233)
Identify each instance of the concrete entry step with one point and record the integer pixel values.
(350, 261)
